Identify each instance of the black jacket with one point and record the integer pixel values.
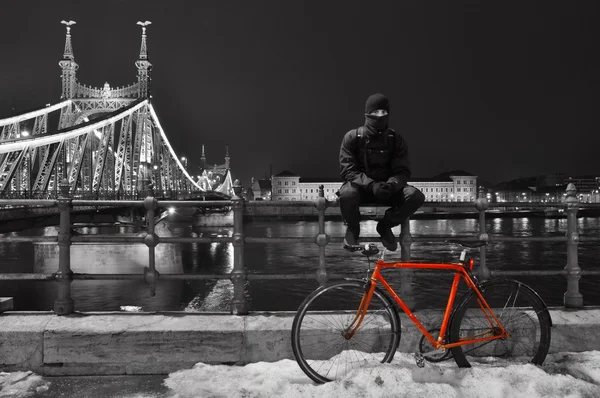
(369, 159)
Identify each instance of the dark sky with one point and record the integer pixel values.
(501, 89)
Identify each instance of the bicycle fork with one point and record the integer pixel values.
(361, 311)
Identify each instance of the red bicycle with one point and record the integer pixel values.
(353, 323)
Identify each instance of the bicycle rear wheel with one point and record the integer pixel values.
(322, 321)
(519, 309)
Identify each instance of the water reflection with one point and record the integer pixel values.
(209, 296)
(421, 290)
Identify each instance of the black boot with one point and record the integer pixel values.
(387, 236)
(351, 238)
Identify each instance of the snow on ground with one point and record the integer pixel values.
(563, 375)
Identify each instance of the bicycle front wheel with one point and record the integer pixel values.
(319, 333)
(522, 313)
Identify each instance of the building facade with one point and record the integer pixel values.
(456, 186)
(452, 186)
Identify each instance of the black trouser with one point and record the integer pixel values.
(403, 204)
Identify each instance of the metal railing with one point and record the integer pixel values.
(64, 276)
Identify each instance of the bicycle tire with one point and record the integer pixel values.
(318, 340)
(521, 311)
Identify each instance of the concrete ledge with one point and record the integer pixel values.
(6, 304)
(143, 343)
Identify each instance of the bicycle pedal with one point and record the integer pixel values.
(420, 360)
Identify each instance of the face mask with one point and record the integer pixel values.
(377, 123)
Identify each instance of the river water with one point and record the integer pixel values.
(420, 290)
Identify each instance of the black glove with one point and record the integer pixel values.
(382, 191)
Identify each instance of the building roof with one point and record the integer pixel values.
(286, 173)
(310, 179)
(261, 184)
(448, 174)
(582, 177)
(422, 179)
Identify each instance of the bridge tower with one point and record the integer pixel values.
(135, 159)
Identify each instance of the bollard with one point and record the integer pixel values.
(405, 240)
(64, 304)
(322, 238)
(151, 240)
(482, 205)
(572, 297)
(239, 305)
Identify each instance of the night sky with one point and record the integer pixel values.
(501, 89)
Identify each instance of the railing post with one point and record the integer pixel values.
(64, 304)
(482, 205)
(322, 239)
(405, 240)
(406, 275)
(151, 240)
(572, 296)
(239, 305)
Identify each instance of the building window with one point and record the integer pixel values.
(286, 183)
(279, 191)
(465, 182)
(294, 190)
(287, 191)
(278, 182)
(311, 190)
(293, 182)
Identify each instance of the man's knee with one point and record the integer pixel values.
(350, 193)
(412, 194)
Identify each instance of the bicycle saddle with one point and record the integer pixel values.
(369, 249)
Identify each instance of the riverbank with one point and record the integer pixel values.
(159, 343)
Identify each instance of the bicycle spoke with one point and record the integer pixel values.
(319, 337)
(520, 312)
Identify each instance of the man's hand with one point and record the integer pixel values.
(382, 190)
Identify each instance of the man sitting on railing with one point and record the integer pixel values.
(375, 167)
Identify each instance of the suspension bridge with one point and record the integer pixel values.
(105, 143)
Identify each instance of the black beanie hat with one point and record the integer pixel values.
(377, 101)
